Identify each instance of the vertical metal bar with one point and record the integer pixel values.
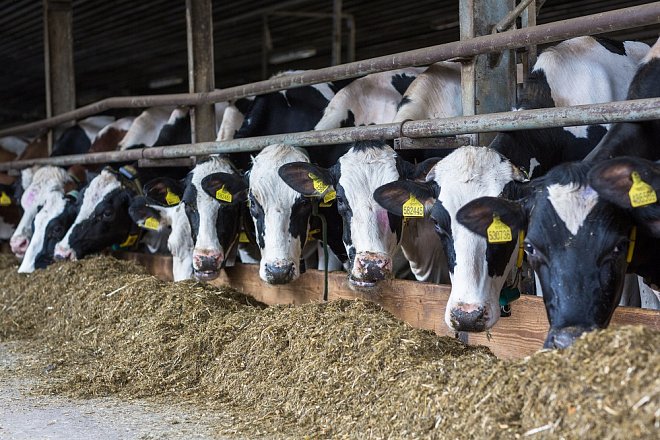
(201, 74)
(266, 46)
(350, 25)
(58, 54)
(486, 88)
(529, 56)
(336, 32)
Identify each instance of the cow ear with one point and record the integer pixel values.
(405, 196)
(422, 169)
(479, 214)
(164, 191)
(306, 178)
(225, 187)
(613, 180)
(145, 216)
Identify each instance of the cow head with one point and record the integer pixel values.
(576, 243)
(212, 215)
(477, 268)
(370, 234)
(51, 222)
(35, 184)
(102, 219)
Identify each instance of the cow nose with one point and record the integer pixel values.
(372, 266)
(62, 253)
(279, 272)
(563, 337)
(19, 245)
(207, 262)
(469, 318)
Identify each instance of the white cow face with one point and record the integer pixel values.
(477, 268)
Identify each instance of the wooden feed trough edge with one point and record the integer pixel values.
(421, 305)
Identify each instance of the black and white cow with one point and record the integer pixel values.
(580, 245)
(204, 232)
(78, 138)
(579, 71)
(371, 235)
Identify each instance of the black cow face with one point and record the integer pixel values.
(576, 244)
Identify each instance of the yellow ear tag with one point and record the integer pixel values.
(151, 223)
(243, 238)
(641, 193)
(171, 198)
(328, 198)
(413, 207)
(312, 233)
(130, 241)
(223, 195)
(319, 185)
(498, 231)
(5, 200)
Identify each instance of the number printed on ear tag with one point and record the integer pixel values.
(319, 185)
(5, 200)
(151, 223)
(223, 195)
(498, 231)
(171, 198)
(641, 193)
(413, 208)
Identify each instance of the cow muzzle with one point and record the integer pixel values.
(565, 336)
(19, 245)
(206, 264)
(63, 253)
(469, 318)
(279, 272)
(369, 268)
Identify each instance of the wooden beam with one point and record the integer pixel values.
(58, 59)
(488, 82)
(201, 72)
(421, 305)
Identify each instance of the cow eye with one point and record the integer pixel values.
(56, 231)
(529, 249)
(108, 214)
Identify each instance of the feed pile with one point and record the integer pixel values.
(345, 369)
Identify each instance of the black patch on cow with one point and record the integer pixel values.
(72, 141)
(442, 224)
(349, 121)
(192, 212)
(257, 213)
(366, 145)
(56, 229)
(536, 92)
(345, 211)
(299, 219)
(175, 134)
(613, 46)
(405, 100)
(339, 84)
(335, 230)
(243, 105)
(109, 224)
(401, 82)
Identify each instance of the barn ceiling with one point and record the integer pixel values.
(126, 47)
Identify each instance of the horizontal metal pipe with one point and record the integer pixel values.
(547, 33)
(634, 110)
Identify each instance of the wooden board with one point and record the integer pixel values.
(422, 305)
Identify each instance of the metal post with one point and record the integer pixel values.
(350, 25)
(266, 46)
(58, 54)
(201, 74)
(336, 32)
(486, 88)
(529, 56)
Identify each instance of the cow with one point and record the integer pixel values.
(579, 244)
(146, 128)
(78, 138)
(478, 269)
(204, 231)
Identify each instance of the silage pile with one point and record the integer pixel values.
(343, 369)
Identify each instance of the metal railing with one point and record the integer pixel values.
(634, 110)
(636, 16)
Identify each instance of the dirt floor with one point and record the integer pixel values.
(28, 414)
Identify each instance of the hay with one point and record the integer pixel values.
(346, 369)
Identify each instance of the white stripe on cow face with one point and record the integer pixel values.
(466, 174)
(363, 170)
(42, 181)
(98, 188)
(572, 204)
(54, 205)
(273, 221)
